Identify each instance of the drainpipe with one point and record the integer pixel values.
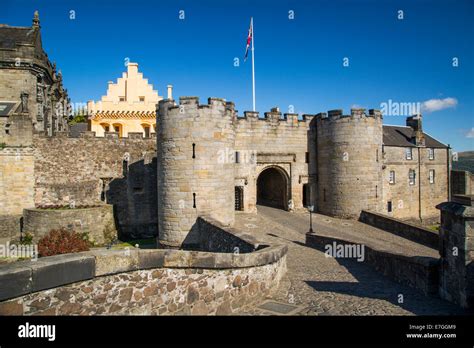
(448, 167)
(419, 185)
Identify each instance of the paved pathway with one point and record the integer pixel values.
(325, 286)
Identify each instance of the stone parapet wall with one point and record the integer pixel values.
(97, 222)
(163, 291)
(217, 238)
(417, 272)
(136, 281)
(401, 228)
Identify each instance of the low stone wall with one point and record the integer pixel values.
(418, 272)
(141, 281)
(401, 228)
(217, 238)
(98, 222)
(10, 227)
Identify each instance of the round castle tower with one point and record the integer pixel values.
(195, 149)
(349, 162)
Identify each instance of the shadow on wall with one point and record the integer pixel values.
(134, 197)
(371, 284)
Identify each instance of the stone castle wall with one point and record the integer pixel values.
(16, 188)
(89, 171)
(272, 141)
(349, 162)
(193, 178)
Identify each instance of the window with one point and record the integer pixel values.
(411, 176)
(142, 99)
(389, 206)
(305, 195)
(377, 155)
(391, 177)
(117, 129)
(239, 198)
(106, 128)
(307, 157)
(122, 99)
(237, 157)
(432, 176)
(431, 153)
(147, 132)
(408, 153)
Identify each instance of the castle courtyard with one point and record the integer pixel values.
(319, 285)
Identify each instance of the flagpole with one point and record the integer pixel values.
(253, 65)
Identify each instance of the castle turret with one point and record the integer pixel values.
(195, 154)
(349, 162)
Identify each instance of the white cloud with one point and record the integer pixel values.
(470, 134)
(438, 104)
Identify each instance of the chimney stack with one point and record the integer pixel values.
(415, 122)
(170, 91)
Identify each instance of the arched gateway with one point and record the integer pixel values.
(273, 188)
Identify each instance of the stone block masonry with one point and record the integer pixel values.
(457, 253)
(404, 229)
(148, 281)
(193, 179)
(97, 222)
(16, 188)
(88, 171)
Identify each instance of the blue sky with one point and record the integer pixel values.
(298, 61)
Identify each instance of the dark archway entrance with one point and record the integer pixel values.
(272, 188)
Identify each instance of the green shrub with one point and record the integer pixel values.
(27, 239)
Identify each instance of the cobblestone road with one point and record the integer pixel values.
(319, 285)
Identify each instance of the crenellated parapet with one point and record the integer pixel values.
(356, 113)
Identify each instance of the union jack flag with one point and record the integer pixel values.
(249, 40)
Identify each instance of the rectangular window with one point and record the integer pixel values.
(237, 157)
(432, 176)
(142, 99)
(147, 132)
(121, 98)
(431, 153)
(411, 176)
(389, 206)
(408, 153)
(307, 157)
(391, 178)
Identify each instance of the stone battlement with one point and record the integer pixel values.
(356, 113)
(218, 105)
(91, 135)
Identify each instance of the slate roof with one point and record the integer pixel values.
(401, 136)
(11, 36)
